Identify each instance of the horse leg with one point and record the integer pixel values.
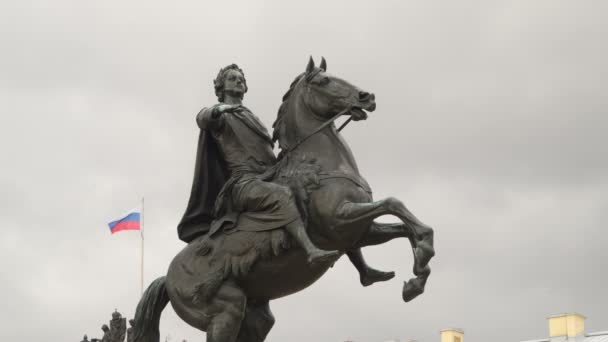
(230, 304)
(367, 274)
(380, 233)
(383, 232)
(421, 234)
(257, 323)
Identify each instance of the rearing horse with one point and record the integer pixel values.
(222, 284)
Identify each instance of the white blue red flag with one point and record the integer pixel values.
(130, 221)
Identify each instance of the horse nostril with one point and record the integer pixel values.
(363, 96)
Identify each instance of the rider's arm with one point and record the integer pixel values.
(210, 119)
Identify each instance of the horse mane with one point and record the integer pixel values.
(279, 122)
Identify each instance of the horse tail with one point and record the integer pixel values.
(147, 315)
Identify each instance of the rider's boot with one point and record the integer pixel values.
(315, 254)
(367, 275)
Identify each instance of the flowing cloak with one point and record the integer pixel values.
(210, 175)
(269, 205)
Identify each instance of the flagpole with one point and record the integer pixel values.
(142, 246)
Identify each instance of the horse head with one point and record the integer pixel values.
(314, 97)
(327, 95)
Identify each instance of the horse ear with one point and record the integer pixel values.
(311, 65)
(323, 64)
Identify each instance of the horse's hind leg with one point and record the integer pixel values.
(228, 306)
(257, 323)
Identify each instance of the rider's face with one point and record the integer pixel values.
(234, 82)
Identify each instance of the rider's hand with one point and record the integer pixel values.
(225, 108)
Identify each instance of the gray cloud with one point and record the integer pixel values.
(490, 127)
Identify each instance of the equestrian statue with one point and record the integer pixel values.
(259, 226)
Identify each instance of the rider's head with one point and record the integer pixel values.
(132, 322)
(105, 328)
(230, 79)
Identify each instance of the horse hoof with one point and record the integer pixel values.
(412, 289)
(374, 276)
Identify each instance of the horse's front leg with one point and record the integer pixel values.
(380, 233)
(367, 274)
(421, 235)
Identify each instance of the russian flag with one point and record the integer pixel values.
(130, 221)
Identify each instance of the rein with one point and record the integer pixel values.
(345, 123)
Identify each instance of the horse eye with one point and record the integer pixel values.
(324, 81)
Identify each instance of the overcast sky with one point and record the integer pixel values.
(491, 127)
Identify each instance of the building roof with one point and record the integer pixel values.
(538, 340)
(601, 336)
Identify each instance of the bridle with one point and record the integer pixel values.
(321, 127)
(325, 124)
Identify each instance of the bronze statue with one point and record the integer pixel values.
(118, 327)
(246, 152)
(233, 137)
(238, 257)
(130, 330)
(106, 333)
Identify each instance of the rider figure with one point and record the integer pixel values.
(231, 133)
